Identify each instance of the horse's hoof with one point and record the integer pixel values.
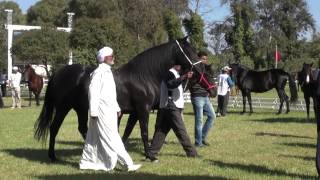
(53, 160)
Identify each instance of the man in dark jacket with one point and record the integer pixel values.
(202, 105)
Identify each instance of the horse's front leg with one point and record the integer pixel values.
(143, 117)
(37, 99)
(30, 96)
(281, 97)
(307, 101)
(317, 115)
(132, 120)
(244, 101)
(250, 102)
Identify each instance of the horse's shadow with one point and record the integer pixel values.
(258, 169)
(125, 176)
(283, 120)
(306, 158)
(302, 145)
(40, 155)
(281, 135)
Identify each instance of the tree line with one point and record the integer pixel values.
(248, 35)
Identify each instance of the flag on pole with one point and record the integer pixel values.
(277, 56)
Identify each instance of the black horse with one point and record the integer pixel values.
(307, 78)
(261, 81)
(137, 82)
(204, 75)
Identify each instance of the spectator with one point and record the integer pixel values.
(224, 85)
(3, 82)
(14, 84)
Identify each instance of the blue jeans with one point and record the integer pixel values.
(202, 105)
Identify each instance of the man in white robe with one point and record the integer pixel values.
(103, 146)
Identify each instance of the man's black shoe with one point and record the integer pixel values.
(205, 143)
(152, 159)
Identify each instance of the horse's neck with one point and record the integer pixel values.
(145, 66)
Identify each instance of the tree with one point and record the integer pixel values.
(173, 25)
(282, 23)
(48, 13)
(17, 18)
(194, 27)
(46, 46)
(89, 35)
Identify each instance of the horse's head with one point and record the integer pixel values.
(305, 76)
(235, 70)
(204, 75)
(28, 71)
(186, 54)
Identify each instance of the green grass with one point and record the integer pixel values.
(260, 146)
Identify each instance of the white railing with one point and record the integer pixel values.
(258, 102)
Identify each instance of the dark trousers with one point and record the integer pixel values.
(4, 89)
(168, 119)
(223, 104)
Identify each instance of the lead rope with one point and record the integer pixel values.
(192, 64)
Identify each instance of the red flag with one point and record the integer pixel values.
(277, 56)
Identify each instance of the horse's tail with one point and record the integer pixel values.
(293, 89)
(44, 120)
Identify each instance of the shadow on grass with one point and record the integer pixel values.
(281, 135)
(40, 155)
(283, 120)
(71, 143)
(126, 176)
(298, 144)
(306, 158)
(257, 169)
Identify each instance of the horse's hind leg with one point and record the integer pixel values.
(54, 128)
(132, 120)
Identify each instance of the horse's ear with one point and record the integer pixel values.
(185, 39)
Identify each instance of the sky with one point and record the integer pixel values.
(217, 13)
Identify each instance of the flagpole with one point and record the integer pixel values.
(276, 56)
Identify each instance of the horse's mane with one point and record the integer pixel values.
(150, 63)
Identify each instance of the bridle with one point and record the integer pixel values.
(202, 78)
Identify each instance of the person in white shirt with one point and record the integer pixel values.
(224, 85)
(169, 115)
(103, 146)
(14, 83)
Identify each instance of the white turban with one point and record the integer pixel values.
(105, 51)
(15, 68)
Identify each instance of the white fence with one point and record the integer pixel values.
(234, 101)
(259, 102)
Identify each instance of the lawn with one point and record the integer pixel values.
(260, 146)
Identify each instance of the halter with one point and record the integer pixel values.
(202, 78)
